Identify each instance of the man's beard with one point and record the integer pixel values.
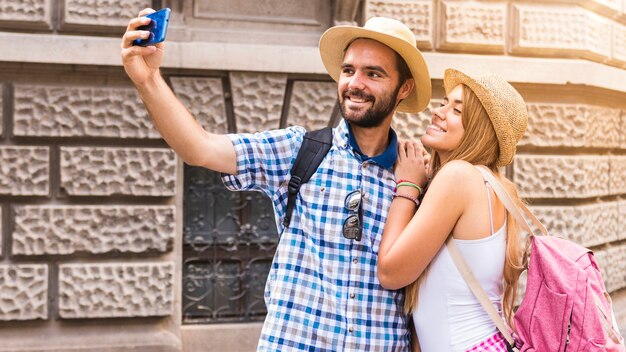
(375, 114)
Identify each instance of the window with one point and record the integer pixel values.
(229, 242)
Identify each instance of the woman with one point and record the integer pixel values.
(479, 123)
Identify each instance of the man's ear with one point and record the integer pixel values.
(406, 89)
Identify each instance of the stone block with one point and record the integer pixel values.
(411, 126)
(258, 100)
(622, 140)
(560, 31)
(204, 97)
(619, 42)
(552, 176)
(64, 230)
(25, 14)
(98, 171)
(108, 290)
(107, 13)
(472, 25)
(622, 219)
(551, 125)
(312, 104)
(603, 127)
(23, 292)
(1, 110)
(612, 263)
(587, 225)
(572, 125)
(416, 14)
(62, 111)
(617, 165)
(24, 171)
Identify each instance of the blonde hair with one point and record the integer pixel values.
(479, 146)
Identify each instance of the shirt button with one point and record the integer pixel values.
(351, 329)
(352, 295)
(322, 189)
(365, 165)
(355, 260)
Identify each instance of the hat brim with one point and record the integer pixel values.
(335, 40)
(453, 78)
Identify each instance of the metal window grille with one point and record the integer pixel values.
(229, 241)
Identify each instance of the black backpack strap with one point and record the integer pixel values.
(315, 146)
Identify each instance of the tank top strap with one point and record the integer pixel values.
(488, 189)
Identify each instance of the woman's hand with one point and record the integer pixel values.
(412, 163)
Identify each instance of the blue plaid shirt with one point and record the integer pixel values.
(322, 292)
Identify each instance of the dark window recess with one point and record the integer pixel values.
(229, 241)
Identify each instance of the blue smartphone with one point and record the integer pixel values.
(157, 28)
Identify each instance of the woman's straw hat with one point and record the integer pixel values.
(393, 34)
(505, 106)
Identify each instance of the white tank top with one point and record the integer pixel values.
(448, 317)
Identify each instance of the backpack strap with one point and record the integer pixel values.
(315, 146)
(515, 209)
(477, 290)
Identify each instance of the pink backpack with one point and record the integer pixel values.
(566, 306)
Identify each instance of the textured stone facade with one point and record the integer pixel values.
(24, 294)
(64, 230)
(588, 225)
(90, 215)
(557, 176)
(204, 97)
(61, 111)
(110, 13)
(110, 171)
(115, 290)
(573, 125)
(257, 100)
(418, 15)
(472, 26)
(32, 11)
(25, 171)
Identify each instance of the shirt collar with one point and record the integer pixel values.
(386, 159)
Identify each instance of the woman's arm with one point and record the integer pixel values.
(410, 242)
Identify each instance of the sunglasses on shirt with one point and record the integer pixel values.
(353, 225)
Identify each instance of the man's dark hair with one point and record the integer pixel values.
(403, 69)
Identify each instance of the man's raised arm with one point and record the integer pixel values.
(173, 121)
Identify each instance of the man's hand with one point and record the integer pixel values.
(141, 63)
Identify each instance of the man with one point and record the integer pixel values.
(322, 291)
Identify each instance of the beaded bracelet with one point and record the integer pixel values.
(409, 184)
(414, 200)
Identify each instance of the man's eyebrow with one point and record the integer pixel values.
(377, 68)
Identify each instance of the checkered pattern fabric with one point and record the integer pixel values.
(322, 293)
(495, 343)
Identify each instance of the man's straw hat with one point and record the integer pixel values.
(505, 106)
(393, 34)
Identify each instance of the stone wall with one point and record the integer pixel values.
(91, 198)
